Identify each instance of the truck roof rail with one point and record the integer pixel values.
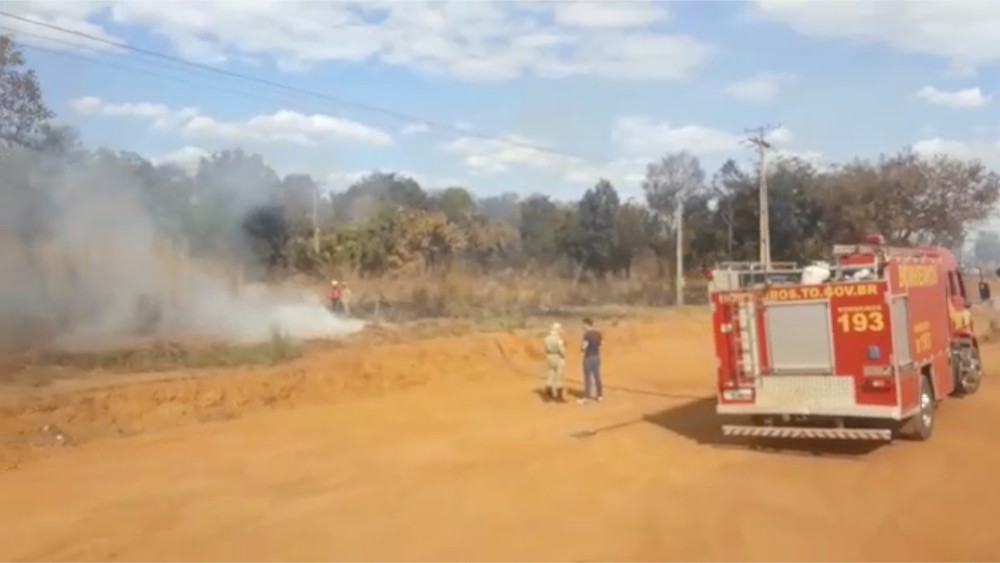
(756, 266)
(888, 251)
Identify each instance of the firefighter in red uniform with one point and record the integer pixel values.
(334, 296)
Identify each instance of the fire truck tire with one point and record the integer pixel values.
(920, 427)
(969, 360)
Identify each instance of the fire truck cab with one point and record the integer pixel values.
(862, 348)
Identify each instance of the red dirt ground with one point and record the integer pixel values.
(439, 450)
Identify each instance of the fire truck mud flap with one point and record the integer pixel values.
(794, 432)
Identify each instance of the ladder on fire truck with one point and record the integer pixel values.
(745, 352)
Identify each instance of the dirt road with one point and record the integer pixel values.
(440, 451)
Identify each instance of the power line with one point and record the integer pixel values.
(124, 67)
(392, 114)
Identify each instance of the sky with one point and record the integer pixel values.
(518, 96)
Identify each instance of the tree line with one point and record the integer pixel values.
(235, 207)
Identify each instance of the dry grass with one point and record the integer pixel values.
(508, 297)
(41, 369)
(405, 308)
(465, 301)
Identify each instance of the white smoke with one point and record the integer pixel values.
(260, 310)
(104, 256)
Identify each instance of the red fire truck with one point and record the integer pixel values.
(864, 353)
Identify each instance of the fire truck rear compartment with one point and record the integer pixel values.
(796, 388)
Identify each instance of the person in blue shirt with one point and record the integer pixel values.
(592, 388)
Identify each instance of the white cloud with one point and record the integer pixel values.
(187, 158)
(287, 126)
(87, 105)
(637, 141)
(779, 137)
(642, 140)
(414, 129)
(636, 135)
(282, 126)
(162, 116)
(644, 136)
(608, 15)
(482, 41)
(963, 33)
(492, 156)
(986, 151)
(970, 98)
(760, 88)
(515, 153)
(70, 15)
(636, 56)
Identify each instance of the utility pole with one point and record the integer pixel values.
(679, 226)
(758, 140)
(315, 220)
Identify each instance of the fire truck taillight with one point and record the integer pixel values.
(737, 394)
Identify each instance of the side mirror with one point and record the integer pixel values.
(984, 291)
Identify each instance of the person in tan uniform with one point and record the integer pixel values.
(555, 358)
(345, 299)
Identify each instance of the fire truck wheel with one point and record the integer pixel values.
(970, 372)
(921, 426)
